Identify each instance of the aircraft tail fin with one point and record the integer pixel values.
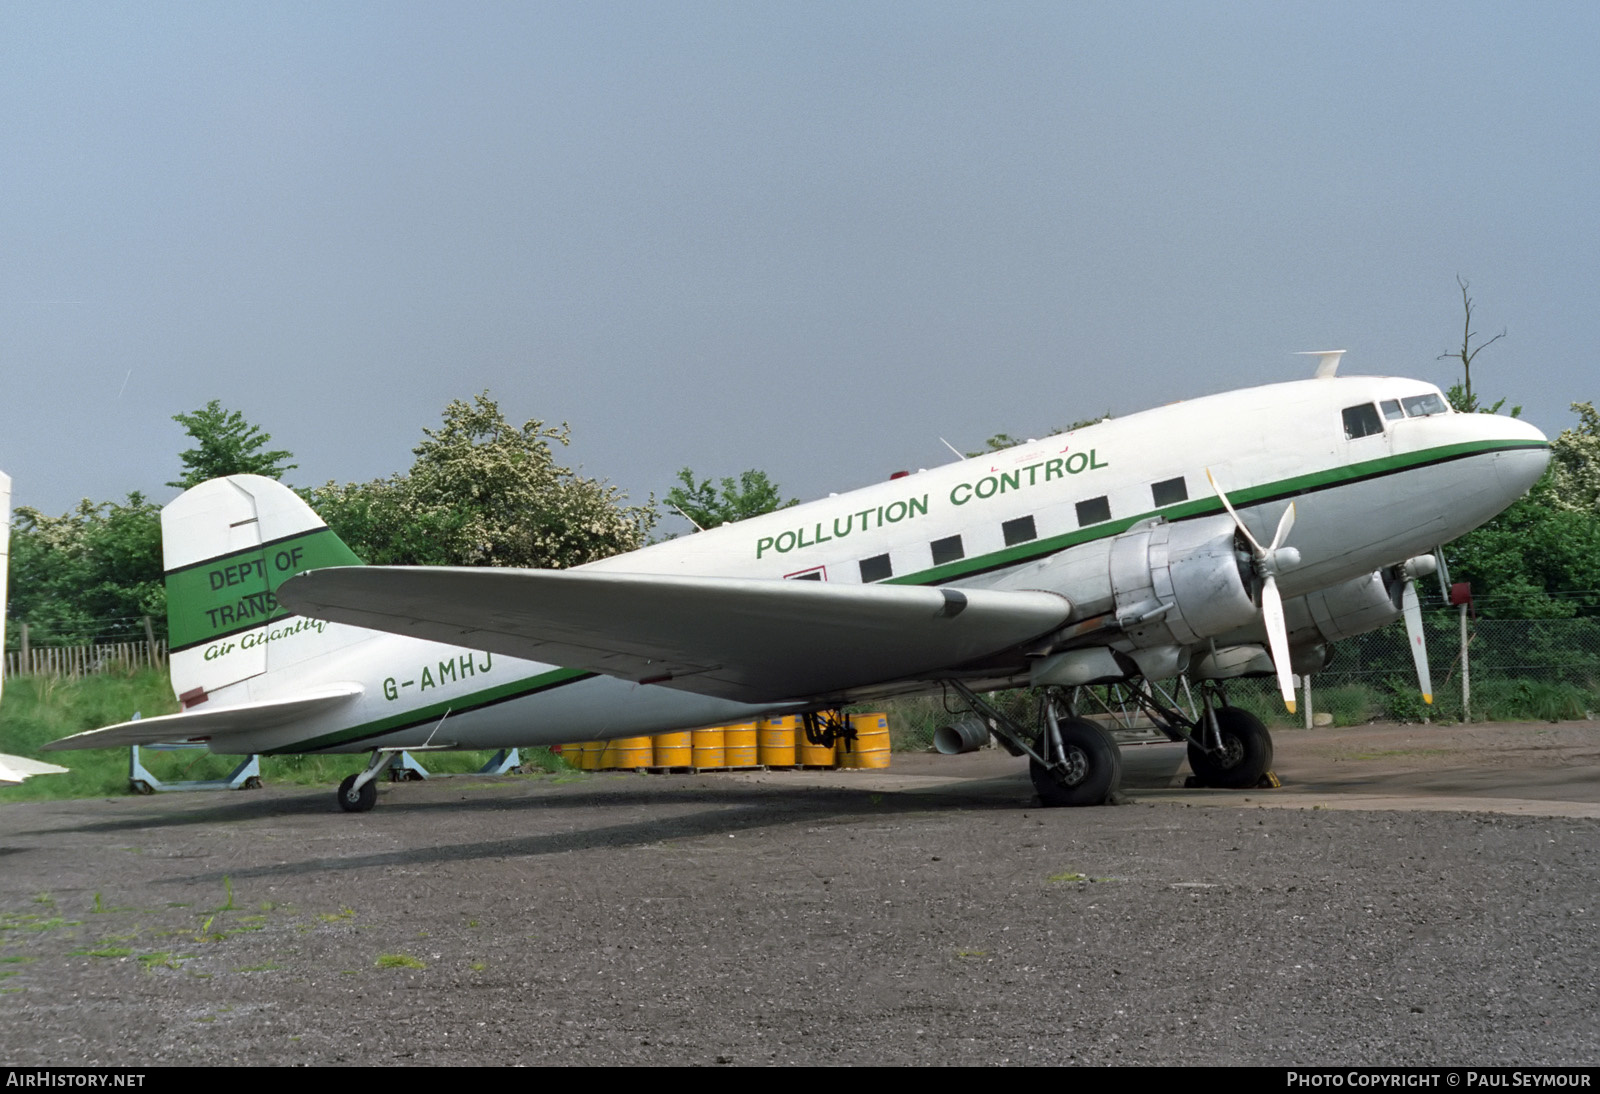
(227, 545)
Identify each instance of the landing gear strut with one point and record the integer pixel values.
(359, 793)
(1229, 748)
(1071, 760)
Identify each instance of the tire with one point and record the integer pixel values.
(1094, 768)
(357, 801)
(1247, 752)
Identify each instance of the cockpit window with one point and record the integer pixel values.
(1362, 421)
(1391, 409)
(1420, 406)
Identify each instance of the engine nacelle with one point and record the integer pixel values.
(1179, 584)
(1343, 611)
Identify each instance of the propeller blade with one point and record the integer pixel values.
(1419, 646)
(1285, 524)
(1226, 504)
(1277, 638)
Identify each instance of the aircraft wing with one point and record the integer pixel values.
(736, 638)
(14, 769)
(209, 725)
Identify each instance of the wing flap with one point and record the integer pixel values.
(210, 725)
(744, 639)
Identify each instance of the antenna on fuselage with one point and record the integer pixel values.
(959, 454)
(1327, 361)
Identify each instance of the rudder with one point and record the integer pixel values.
(227, 545)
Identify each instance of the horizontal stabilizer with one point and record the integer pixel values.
(744, 639)
(14, 769)
(209, 725)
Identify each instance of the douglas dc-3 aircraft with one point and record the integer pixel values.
(1235, 534)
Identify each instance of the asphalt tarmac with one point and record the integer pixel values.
(1412, 895)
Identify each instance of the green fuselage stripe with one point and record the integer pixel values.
(417, 716)
(1208, 506)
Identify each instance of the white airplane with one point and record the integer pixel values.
(1108, 554)
(13, 769)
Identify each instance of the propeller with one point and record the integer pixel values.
(1268, 561)
(1409, 571)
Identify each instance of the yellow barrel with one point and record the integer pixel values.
(632, 752)
(708, 749)
(814, 755)
(871, 747)
(588, 757)
(608, 756)
(739, 741)
(673, 749)
(775, 736)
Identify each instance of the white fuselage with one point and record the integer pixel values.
(1363, 502)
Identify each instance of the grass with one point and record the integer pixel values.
(397, 961)
(41, 709)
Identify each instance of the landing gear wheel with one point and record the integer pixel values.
(1246, 752)
(352, 800)
(1091, 767)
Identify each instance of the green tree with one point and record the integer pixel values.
(483, 492)
(88, 573)
(1540, 559)
(707, 506)
(226, 444)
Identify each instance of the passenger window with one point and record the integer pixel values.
(1169, 492)
(1420, 406)
(807, 575)
(1018, 531)
(876, 568)
(947, 550)
(1362, 421)
(1391, 409)
(1093, 511)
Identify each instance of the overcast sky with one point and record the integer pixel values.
(808, 238)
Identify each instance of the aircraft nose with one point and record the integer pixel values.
(1518, 468)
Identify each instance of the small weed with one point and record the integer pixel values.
(45, 899)
(227, 887)
(17, 960)
(104, 951)
(334, 917)
(269, 966)
(478, 966)
(972, 953)
(165, 960)
(397, 961)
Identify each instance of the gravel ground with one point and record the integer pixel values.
(932, 915)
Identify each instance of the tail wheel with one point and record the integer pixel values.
(352, 800)
(1089, 769)
(1245, 756)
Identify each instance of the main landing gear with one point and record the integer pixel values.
(1074, 761)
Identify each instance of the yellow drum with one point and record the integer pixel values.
(674, 749)
(775, 737)
(632, 752)
(708, 748)
(739, 743)
(813, 755)
(871, 747)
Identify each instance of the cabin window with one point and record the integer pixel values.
(947, 550)
(1170, 492)
(1362, 421)
(876, 568)
(1420, 406)
(1093, 511)
(806, 575)
(1018, 531)
(1391, 409)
